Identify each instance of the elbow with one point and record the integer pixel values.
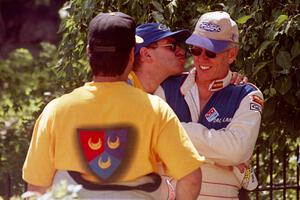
(189, 185)
(195, 179)
(239, 155)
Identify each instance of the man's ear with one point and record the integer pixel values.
(145, 56)
(232, 55)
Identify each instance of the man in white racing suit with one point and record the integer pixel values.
(221, 119)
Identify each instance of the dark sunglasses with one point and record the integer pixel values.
(196, 51)
(171, 46)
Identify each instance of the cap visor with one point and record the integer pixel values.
(216, 46)
(180, 36)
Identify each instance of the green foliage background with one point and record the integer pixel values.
(269, 56)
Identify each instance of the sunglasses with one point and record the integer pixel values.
(171, 46)
(196, 51)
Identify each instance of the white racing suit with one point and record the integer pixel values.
(225, 132)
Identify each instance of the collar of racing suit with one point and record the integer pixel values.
(213, 86)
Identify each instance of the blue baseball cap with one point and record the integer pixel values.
(152, 32)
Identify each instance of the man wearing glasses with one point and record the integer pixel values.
(158, 57)
(221, 119)
(161, 56)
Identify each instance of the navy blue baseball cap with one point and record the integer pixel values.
(111, 32)
(152, 32)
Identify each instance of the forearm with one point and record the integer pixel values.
(188, 187)
(229, 146)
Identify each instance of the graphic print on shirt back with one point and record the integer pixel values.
(104, 150)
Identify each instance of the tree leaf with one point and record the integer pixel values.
(157, 6)
(283, 59)
(283, 85)
(269, 110)
(280, 20)
(295, 49)
(272, 92)
(265, 45)
(158, 16)
(260, 66)
(243, 19)
(290, 99)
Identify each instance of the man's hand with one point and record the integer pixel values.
(238, 78)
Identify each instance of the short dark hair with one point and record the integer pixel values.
(109, 64)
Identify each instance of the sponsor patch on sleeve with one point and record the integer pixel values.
(256, 107)
(258, 100)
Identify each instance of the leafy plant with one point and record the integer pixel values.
(26, 85)
(269, 56)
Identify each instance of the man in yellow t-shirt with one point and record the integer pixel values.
(107, 135)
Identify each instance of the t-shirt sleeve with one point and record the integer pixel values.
(174, 147)
(38, 168)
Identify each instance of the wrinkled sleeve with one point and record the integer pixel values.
(235, 143)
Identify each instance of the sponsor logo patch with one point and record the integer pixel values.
(211, 115)
(258, 100)
(256, 107)
(217, 85)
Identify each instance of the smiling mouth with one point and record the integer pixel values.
(204, 67)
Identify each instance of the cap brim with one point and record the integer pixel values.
(180, 36)
(216, 46)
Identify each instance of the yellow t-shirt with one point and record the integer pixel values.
(158, 135)
(135, 81)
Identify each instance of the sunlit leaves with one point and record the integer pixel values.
(280, 20)
(295, 49)
(24, 81)
(243, 19)
(158, 6)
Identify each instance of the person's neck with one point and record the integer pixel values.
(109, 78)
(204, 92)
(149, 80)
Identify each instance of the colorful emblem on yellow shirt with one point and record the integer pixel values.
(103, 149)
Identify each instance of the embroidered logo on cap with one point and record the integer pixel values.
(210, 27)
(163, 27)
